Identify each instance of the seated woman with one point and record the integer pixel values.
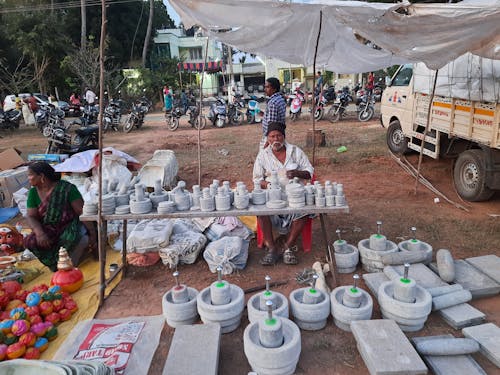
(54, 206)
(288, 161)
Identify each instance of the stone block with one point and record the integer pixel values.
(479, 284)
(488, 337)
(385, 349)
(462, 315)
(422, 275)
(194, 350)
(450, 365)
(487, 264)
(374, 280)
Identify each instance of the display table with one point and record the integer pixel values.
(251, 211)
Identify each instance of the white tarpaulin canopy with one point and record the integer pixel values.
(431, 33)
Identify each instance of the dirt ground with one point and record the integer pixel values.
(376, 188)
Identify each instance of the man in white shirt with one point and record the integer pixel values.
(89, 96)
(289, 161)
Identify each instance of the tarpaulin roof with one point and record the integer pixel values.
(432, 33)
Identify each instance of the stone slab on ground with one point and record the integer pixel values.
(462, 315)
(487, 264)
(423, 276)
(450, 364)
(194, 350)
(374, 280)
(459, 316)
(385, 348)
(479, 284)
(488, 337)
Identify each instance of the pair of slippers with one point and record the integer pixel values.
(272, 257)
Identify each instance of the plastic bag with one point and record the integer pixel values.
(183, 248)
(150, 235)
(230, 253)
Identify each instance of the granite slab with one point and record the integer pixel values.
(488, 337)
(385, 349)
(487, 264)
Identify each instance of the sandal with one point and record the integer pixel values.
(270, 259)
(289, 256)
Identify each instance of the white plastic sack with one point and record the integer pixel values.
(183, 248)
(229, 253)
(150, 235)
(21, 197)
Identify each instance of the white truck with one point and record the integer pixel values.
(463, 124)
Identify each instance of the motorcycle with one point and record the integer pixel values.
(75, 110)
(112, 116)
(88, 116)
(321, 103)
(173, 116)
(253, 110)
(9, 119)
(296, 104)
(193, 111)
(365, 107)
(217, 113)
(60, 142)
(48, 117)
(339, 109)
(235, 110)
(136, 117)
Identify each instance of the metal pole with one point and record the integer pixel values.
(314, 72)
(100, 220)
(426, 130)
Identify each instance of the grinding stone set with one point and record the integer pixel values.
(132, 198)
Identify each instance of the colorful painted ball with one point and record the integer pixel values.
(55, 289)
(54, 318)
(10, 339)
(20, 327)
(6, 325)
(3, 351)
(33, 299)
(18, 313)
(15, 350)
(65, 314)
(32, 310)
(40, 288)
(21, 295)
(71, 305)
(41, 344)
(4, 315)
(47, 296)
(14, 303)
(34, 319)
(51, 333)
(28, 339)
(57, 304)
(32, 353)
(46, 308)
(2, 337)
(39, 329)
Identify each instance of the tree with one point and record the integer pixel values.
(148, 33)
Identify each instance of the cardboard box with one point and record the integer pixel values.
(10, 159)
(11, 181)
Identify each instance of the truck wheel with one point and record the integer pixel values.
(469, 175)
(396, 140)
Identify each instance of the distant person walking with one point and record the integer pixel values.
(167, 98)
(370, 84)
(275, 109)
(90, 96)
(319, 82)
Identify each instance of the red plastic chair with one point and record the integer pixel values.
(306, 234)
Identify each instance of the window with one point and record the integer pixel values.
(404, 76)
(195, 53)
(163, 49)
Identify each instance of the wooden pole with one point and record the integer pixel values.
(100, 222)
(201, 112)
(314, 73)
(426, 130)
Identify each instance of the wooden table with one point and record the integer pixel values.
(250, 211)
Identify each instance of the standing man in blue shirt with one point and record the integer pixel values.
(275, 109)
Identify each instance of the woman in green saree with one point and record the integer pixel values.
(54, 207)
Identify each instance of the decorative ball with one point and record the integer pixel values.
(18, 313)
(55, 289)
(32, 310)
(69, 280)
(20, 327)
(32, 353)
(40, 288)
(35, 319)
(28, 339)
(39, 329)
(14, 303)
(54, 318)
(57, 304)
(65, 314)
(3, 351)
(6, 325)
(4, 315)
(15, 350)
(51, 333)
(47, 296)
(33, 299)
(21, 295)
(41, 344)
(4, 299)
(46, 308)
(10, 339)
(11, 287)
(71, 305)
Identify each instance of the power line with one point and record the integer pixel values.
(59, 6)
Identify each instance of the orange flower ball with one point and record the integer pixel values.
(46, 308)
(35, 319)
(16, 350)
(32, 353)
(14, 303)
(28, 339)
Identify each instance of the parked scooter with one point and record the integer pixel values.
(217, 113)
(112, 116)
(60, 141)
(9, 119)
(296, 104)
(253, 110)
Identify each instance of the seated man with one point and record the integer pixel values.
(289, 161)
